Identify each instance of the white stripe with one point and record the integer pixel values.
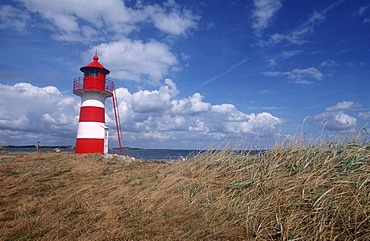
(91, 102)
(93, 98)
(90, 130)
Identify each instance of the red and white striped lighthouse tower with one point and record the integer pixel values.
(94, 88)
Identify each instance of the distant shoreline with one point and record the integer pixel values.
(55, 146)
(34, 146)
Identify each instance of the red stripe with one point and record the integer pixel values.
(92, 114)
(94, 83)
(87, 145)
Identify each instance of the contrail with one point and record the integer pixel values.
(223, 73)
(210, 80)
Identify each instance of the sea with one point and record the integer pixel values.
(138, 153)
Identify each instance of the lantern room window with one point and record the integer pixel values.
(91, 72)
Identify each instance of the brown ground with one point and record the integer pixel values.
(63, 196)
(67, 196)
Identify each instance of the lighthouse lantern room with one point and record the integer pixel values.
(94, 88)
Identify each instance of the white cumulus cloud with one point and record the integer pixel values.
(344, 105)
(80, 21)
(166, 118)
(136, 60)
(364, 115)
(40, 113)
(114, 28)
(335, 118)
(171, 20)
(155, 118)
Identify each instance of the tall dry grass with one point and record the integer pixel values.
(319, 192)
(288, 193)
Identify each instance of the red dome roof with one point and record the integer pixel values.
(96, 64)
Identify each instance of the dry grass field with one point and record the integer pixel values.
(289, 193)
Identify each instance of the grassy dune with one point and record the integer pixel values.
(289, 193)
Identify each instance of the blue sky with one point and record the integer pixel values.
(188, 74)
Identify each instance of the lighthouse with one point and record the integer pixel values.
(94, 89)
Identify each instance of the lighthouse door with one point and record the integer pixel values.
(106, 138)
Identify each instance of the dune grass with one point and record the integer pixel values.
(320, 192)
